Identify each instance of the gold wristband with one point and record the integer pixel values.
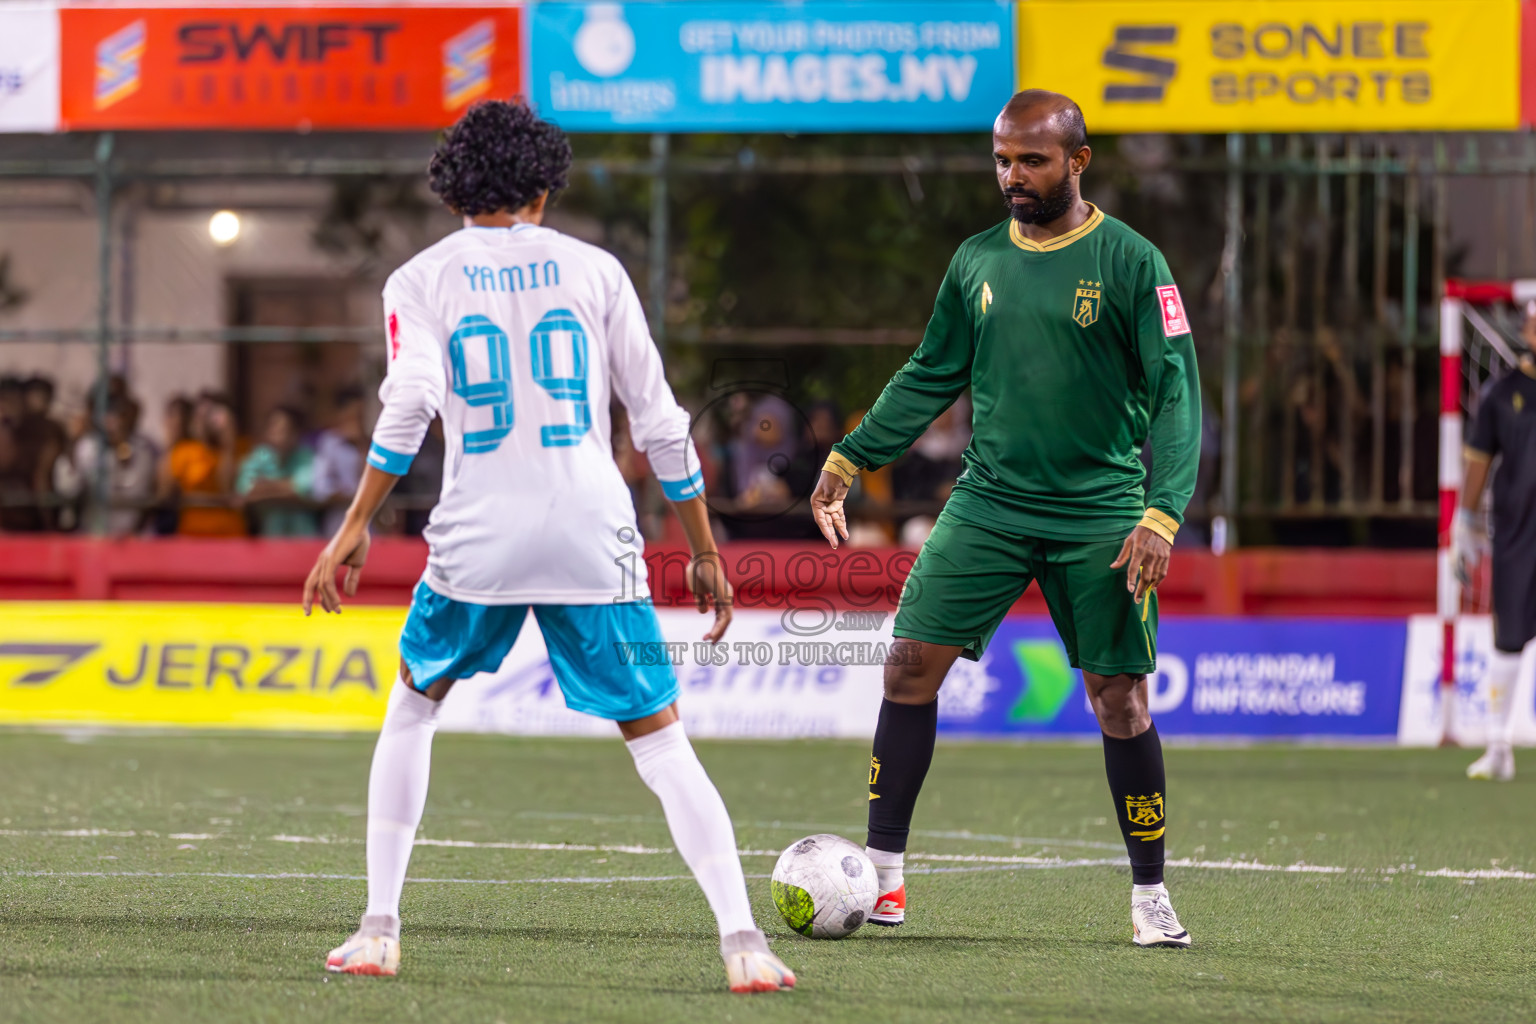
(841, 466)
(1160, 523)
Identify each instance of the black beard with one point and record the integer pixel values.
(1049, 207)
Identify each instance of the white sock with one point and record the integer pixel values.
(397, 793)
(1502, 671)
(887, 868)
(1140, 890)
(700, 825)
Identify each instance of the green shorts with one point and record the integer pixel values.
(968, 575)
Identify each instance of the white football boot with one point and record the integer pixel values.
(1153, 922)
(750, 967)
(1496, 764)
(374, 949)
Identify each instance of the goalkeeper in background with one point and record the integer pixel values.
(1505, 425)
(1068, 329)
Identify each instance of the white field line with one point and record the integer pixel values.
(472, 844)
(917, 860)
(804, 827)
(309, 876)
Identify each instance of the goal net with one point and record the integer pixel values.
(1479, 340)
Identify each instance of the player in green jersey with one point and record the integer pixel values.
(1068, 329)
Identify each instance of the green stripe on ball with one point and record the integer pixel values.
(795, 904)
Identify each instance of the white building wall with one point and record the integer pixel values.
(178, 279)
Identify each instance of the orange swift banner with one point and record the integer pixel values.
(284, 67)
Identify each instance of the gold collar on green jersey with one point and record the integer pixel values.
(1060, 241)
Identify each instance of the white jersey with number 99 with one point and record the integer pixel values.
(518, 337)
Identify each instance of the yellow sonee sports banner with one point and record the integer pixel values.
(231, 666)
(1277, 65)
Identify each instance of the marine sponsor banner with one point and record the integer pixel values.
(766, 680)
(1421, 723)
(1214, 678)
(1277, 65)
(294, 67)
(754, 66)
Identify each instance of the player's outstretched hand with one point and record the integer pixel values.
(707, 583)
(827, 507)
(1145, 557)
(348, 548)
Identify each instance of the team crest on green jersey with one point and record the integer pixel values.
(1085, 305)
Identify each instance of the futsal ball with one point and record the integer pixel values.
(825, 887)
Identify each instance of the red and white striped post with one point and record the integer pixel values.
(1448, 595)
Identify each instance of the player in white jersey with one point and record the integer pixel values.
(518, 336)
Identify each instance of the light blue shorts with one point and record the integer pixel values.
(448, 639)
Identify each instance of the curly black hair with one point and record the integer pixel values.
(499, 156)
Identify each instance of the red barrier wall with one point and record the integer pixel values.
(1258, 582)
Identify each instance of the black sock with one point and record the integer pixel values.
(903, 750)
(1137, 782)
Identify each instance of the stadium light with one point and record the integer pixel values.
(224, 227)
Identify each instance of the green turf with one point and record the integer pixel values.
(999, 944)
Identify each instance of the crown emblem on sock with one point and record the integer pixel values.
(1144, 810)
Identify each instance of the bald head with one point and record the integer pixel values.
(1041, 148)
(1037, 109)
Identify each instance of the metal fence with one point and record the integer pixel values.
(1337, 250)
(1321, 379)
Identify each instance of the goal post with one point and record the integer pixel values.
(1477, 321)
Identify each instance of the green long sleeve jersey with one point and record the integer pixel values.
(1076, 350)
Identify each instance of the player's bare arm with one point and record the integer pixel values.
(705, 578)
(349, 548)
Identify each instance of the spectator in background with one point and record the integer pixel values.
(45, 433)
(760, 474)
(928, 471)
(423, 481)
(130, 465)
(24, 479)
(8, 485)
(339, 460)
(176, 422)
(176, 428)
(871, 525)
(277, 479)
(760, 456)
(202, 471)
(826, 429)
(37, 401)
(635, 468)
(13, 402)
